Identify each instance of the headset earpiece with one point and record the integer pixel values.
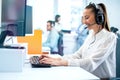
(99, 16)
(52, 23)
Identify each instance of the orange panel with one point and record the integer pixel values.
(34, 42)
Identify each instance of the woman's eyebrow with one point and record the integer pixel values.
(85, 16)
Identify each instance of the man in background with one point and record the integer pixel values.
(52, 39)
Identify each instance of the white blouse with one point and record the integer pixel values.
(97, 55)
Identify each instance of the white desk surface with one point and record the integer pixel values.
(53, 73)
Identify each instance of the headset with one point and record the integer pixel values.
(52, 23)
(99, 15)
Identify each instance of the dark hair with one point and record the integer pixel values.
(106, 23)
(56, 18)
(91, 6)
(102, 8)
(52, 23)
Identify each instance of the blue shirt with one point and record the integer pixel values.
(82, 32)
(52, 40)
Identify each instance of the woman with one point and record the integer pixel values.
(97, 54)
(58, 25)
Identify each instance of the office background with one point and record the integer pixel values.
(71, 12)
(44, 10)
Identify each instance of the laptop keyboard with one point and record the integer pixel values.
(34, 60)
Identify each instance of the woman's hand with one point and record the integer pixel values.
(47, 59)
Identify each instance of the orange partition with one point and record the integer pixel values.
(34, 42)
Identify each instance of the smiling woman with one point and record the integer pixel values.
(97, 54)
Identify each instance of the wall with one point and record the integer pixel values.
(40, 7)
(112, 9)
(42, 11)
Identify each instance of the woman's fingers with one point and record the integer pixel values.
(43, 55)
(46, 60)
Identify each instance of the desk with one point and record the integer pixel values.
(53, 73)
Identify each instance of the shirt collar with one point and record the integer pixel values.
(101, 33)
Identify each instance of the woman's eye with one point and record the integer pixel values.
(86, 17)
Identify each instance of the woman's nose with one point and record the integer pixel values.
(84, 22)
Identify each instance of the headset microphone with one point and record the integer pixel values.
(85, 28)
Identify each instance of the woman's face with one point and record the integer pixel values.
(59, 19)
(89, 18)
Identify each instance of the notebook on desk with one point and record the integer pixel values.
(34, 61)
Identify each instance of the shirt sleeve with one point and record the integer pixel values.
(52, 39)
(98, 56)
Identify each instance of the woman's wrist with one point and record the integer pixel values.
(61, 62)
(64, 62)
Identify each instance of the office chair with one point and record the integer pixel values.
(118, 58)
(117, 61)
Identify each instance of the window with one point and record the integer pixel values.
(71, 12)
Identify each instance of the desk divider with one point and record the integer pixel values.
(34, 42)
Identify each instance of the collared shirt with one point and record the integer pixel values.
(52, 40)
(97, 54)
